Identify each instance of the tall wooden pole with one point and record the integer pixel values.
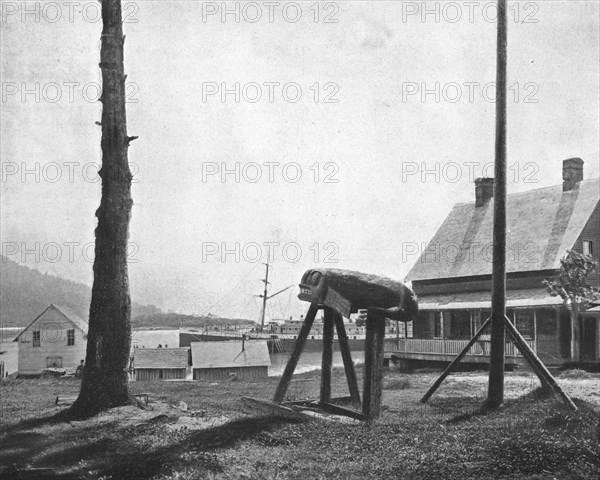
(496, 375)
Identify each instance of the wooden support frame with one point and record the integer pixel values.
(374, 353)
(327, 358)
(538, 366)
(374, 359)
(456, 361)
(347, 358)
(284, 383)
(540, 369)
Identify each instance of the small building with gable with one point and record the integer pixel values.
(57, 338)
(247, 360)
(160, 363)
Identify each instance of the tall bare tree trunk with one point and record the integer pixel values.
(104, 384)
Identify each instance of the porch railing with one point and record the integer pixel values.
(449, 347)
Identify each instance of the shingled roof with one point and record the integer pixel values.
(230, 354)
(541, 225)
(160, 358)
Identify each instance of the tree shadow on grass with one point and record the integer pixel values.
(120, 452)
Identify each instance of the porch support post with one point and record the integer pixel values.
(374, 352)
(455, 362)
(284, 383)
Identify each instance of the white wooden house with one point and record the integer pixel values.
(56, 338)
(452, 277)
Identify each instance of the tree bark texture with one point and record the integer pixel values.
(105, 383)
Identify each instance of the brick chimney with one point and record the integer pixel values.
(484, 190)
(572, 173)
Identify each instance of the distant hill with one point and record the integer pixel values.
(26, 292)
(191, 321)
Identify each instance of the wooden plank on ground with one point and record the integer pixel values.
(346, 412)
(272, 409)
(65, 399)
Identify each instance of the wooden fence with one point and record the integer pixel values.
(449, 347)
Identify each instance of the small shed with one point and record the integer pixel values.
(219, 360)
(161, 363)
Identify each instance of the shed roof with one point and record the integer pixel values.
(541, 225)
(65, 312)
(230, 354)
(160, 358)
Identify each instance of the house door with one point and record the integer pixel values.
(589, 336)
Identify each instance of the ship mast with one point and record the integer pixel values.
(266, 297)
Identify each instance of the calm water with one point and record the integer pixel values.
(308, 361)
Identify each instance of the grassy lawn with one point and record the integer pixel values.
(532, 436)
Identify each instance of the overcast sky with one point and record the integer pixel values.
(358, 98)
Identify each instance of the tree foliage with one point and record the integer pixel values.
(572, 285)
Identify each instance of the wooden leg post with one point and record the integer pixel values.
(455, 362)
(538, 366)
(327, 355)
(372, 385)
(295, 355)
(347, 357)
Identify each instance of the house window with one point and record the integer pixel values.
(588, 248)
(546, 322)
(36, 339)
(525, 323)
(70, 337)
(460, 324)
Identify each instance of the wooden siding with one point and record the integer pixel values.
(9, 359)
(243, 373)
(53, 343)
(591, 231)
(150, 374)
